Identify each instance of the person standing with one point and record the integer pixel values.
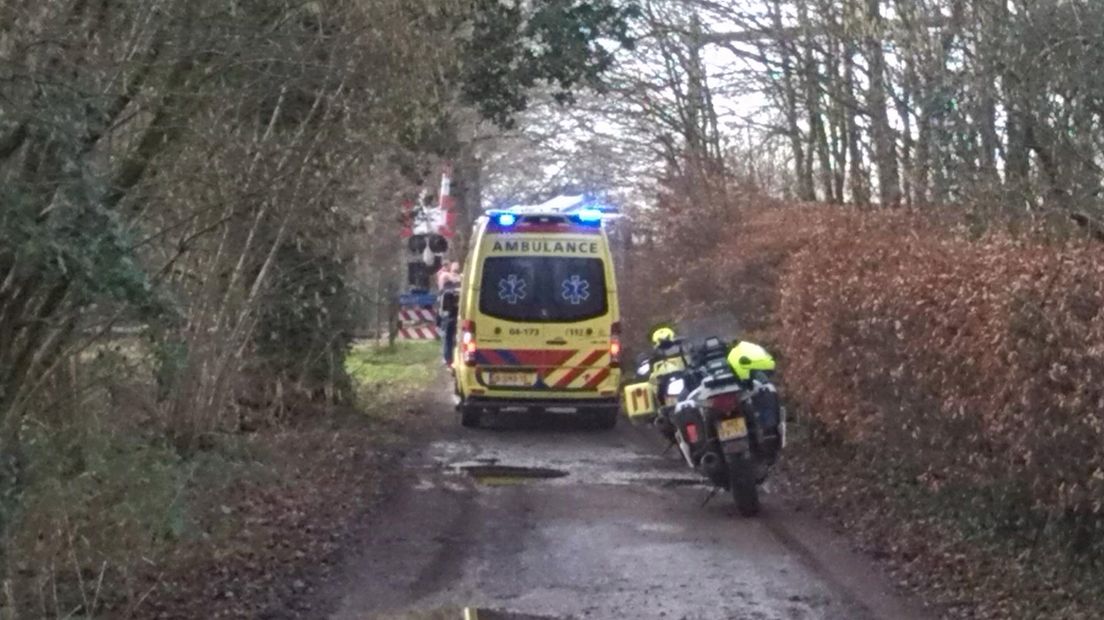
(448, 287)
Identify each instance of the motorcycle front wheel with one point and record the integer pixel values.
(742, 484)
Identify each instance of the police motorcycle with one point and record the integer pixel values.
(726, 420)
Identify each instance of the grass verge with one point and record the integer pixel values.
(385, 376)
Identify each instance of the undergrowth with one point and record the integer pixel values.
(108, 504)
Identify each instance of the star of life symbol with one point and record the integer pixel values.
(576, 290)
(511, 289)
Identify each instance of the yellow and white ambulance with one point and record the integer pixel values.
(539, 325)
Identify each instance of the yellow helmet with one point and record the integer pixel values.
(661, 334)
(746, 357)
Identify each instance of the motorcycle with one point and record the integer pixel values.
(726, 418)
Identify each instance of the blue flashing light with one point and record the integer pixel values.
(589, 216)
(507, 219)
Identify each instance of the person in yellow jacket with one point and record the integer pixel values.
(668, 362)
(665, 343)
(667, 356)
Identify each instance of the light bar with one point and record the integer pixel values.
(589, 215)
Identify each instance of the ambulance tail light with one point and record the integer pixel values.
(467, 342)
(615, 345)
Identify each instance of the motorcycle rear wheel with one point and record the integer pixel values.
(742, 484)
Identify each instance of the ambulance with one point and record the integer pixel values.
(539, 326)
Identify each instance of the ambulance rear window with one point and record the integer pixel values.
(543, 288)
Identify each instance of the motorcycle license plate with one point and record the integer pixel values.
(511, 379)
(733, 428)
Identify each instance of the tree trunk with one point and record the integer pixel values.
(818, 141)
(885, 151)
(805, 188)
(904, 112)
(838, 107)
(860, 189)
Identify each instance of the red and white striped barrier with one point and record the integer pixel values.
(417, 323)
(417, 315)
(430, 332)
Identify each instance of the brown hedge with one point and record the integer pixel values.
(979, 361)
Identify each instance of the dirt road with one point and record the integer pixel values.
(591, 524)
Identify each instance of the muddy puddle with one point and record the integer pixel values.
(670, 483)
(467, 613)
(505, 475)
(491, 472)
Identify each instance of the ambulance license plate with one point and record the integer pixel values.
(733, 428)
(511, 379)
